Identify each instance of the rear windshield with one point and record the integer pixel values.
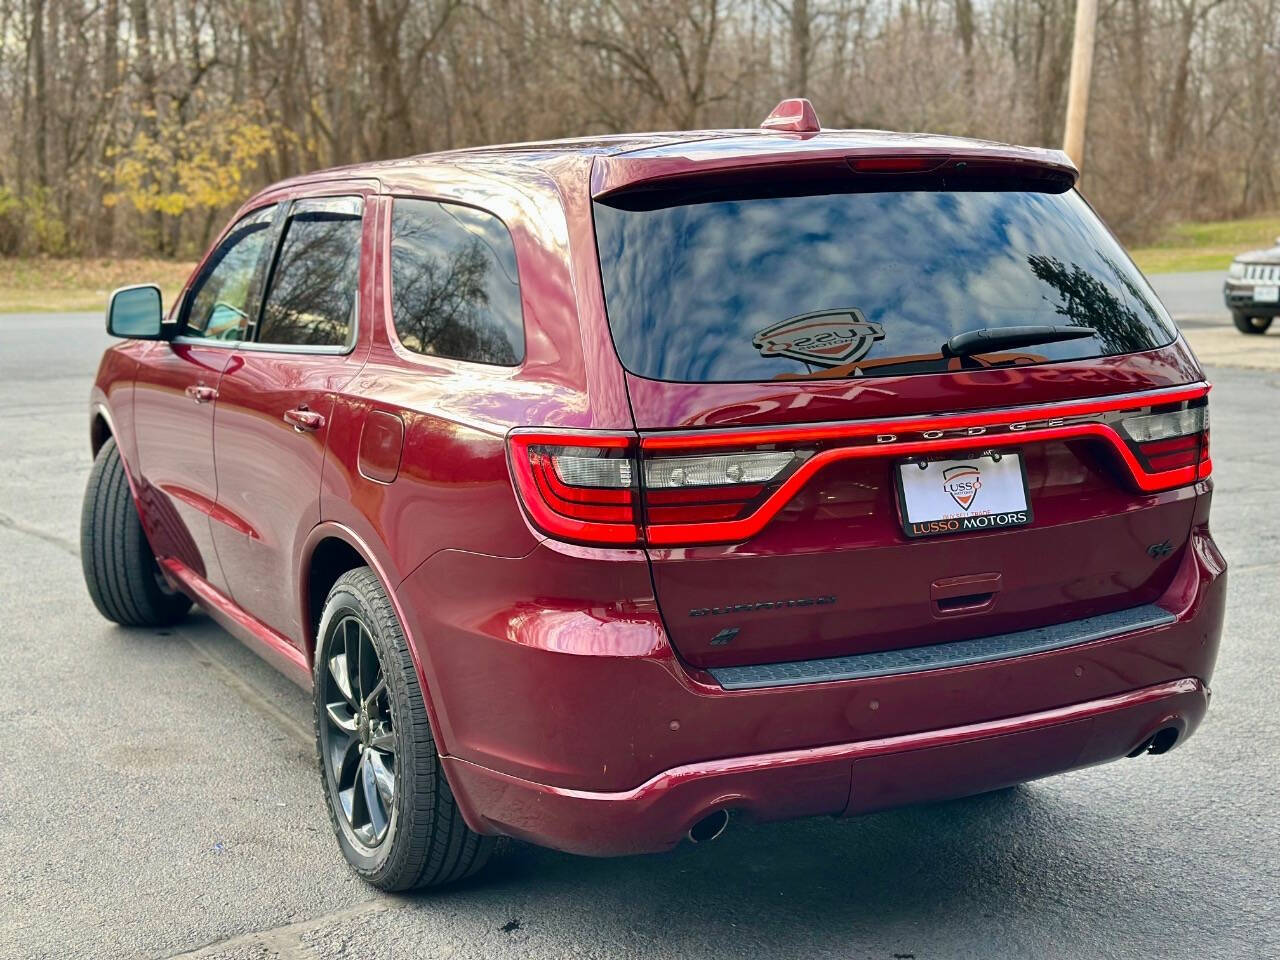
(842, 284)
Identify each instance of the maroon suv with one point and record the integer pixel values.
(602, 488)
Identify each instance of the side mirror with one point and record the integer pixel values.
(134, 312)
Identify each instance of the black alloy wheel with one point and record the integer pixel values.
(358, 740)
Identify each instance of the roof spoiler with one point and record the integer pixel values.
(830, 154)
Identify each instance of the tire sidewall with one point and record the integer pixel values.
(124, 579)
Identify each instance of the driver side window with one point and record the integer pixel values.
(223, 300)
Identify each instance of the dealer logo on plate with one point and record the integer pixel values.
(962, 483)
(828, 337)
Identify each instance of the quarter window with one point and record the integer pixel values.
(454, 287)
(312, 299)
(225, 295)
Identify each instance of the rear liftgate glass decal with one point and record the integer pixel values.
(829, 338)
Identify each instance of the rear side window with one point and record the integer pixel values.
(454, 286)
(312, 298)
(841, 284)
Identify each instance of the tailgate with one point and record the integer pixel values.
(834, 571)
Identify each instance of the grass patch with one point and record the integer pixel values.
(1206, 246)
(33, 284)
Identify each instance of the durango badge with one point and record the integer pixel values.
(827, 337)
(962, 483)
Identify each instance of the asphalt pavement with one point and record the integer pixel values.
(1193, 296)
(158, 794)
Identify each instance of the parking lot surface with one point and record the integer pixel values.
(158, 794)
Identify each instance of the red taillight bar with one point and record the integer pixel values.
(610, 517)
(735, 531)
(804, 433)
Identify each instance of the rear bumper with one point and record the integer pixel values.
(838, 779)
(564, 717)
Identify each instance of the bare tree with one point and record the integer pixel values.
(137, 124)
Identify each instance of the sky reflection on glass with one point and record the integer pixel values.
(687, 287)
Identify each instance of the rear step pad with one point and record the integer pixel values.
(942, 655)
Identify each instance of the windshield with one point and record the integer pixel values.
(840, 284)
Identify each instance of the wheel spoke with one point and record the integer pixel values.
(347, 801)
(372, 800)
(339, 748)
(338, 670)
(383, 739)
(352, 645)
(360, 804)
(341, 716)
(383, 777)
(376, 692)
(368, 664)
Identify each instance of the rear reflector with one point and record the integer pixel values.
(723, 486)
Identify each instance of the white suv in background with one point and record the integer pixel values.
(1252, 290)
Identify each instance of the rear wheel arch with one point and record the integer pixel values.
(334, 544)
(329, 558)
(331, 549)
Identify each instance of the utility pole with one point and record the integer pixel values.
(1081, 70)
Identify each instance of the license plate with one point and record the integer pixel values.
(963, 496)
(1266, 294)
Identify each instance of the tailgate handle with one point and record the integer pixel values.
(975, 593)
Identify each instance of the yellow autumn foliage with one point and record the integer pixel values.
(200, 164)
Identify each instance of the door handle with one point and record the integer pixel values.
(303, 420)
(201, 394)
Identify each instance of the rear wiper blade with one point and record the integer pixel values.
(999, 338)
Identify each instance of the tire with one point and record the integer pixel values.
(372, 735)
(120, 570)
(1246, 324)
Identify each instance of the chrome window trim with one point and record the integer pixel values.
(345, 205)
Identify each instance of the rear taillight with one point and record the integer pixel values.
(580, 489)
(709, 489)
(684, 488)
(588, 488)
(1176, 439)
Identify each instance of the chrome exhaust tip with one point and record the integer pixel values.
(1162, 741)
(709, 827)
